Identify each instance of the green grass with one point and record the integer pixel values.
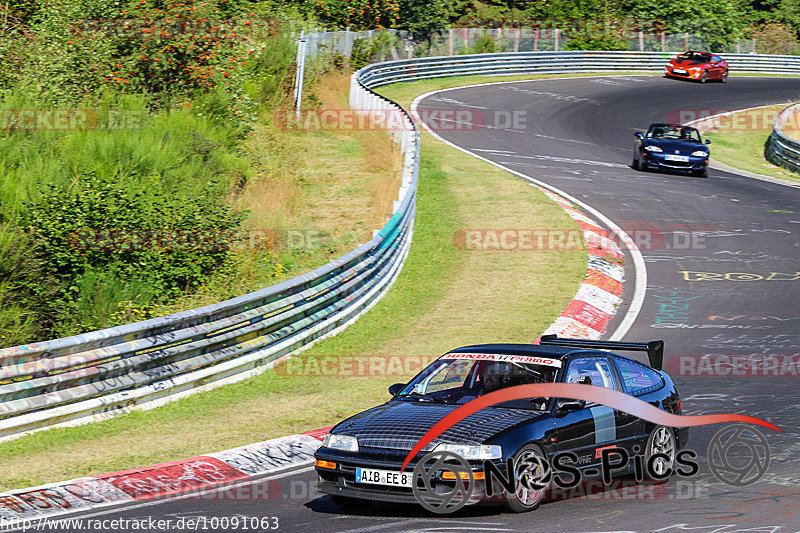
(445, 297)
(743, 147)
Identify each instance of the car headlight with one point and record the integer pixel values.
(472, 453)
(696, 69)
(653, 149)
(700, 153)
(341, 442)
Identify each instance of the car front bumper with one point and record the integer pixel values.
(689, 74)
(341, 480)
(657, 160)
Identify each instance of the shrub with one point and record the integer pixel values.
(604, 43)
(776, 38)
(101, 238)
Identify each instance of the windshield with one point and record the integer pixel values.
(459, 378)
(674, 132)
(695, 56)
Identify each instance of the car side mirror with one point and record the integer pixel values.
(638, 135)
(708, 141)
(395, 389)
(565, 406)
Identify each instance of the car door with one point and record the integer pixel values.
(716, 67)
(636, 379)
(586, 431)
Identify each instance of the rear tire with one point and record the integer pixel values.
(661, 440)
(524, 499)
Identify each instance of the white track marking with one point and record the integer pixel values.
(640, 278)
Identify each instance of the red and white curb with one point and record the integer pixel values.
(599, 296)
(587, 316)
(217, 470)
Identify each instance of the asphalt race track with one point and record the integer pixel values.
(723, 269)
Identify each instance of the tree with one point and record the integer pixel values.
(717, 22)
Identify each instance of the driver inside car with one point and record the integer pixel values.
(495, 376)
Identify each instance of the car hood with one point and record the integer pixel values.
(686, 63)
(670, 146)
(400, 424)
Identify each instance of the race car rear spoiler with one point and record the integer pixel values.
(654, 349)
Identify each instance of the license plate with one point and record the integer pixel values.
(678, 71)
(383, 477)
(670, 157)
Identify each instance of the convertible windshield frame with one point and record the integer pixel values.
(674, 133)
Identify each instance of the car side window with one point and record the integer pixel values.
(716, 59)
(591, 371)
(637, 378)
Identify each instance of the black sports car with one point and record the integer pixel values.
(361, 457)
(671, 147)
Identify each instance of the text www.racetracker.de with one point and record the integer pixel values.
(144, 524)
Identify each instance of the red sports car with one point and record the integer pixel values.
(700, 66)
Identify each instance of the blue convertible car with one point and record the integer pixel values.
(361, 458)
(671, 147)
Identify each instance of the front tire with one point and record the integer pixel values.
(704, 76)
(524, 499)
(661, 441)
(724, 77)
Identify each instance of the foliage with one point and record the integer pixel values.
(107, 242)
(358, 14)
(788, 11)
(776, 38)
(366, 50)
(25, 290)
(486, 45)
(718, 22)
(607, 43)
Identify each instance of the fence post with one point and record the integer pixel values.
(536, 40)
(641, 41)
(450, 40)
(298, 84)
(517, 35)
(555, 42)
(663, 41)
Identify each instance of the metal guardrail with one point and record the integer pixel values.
(99, 374)
(102, 373)
(506, 64)
(782, 150)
